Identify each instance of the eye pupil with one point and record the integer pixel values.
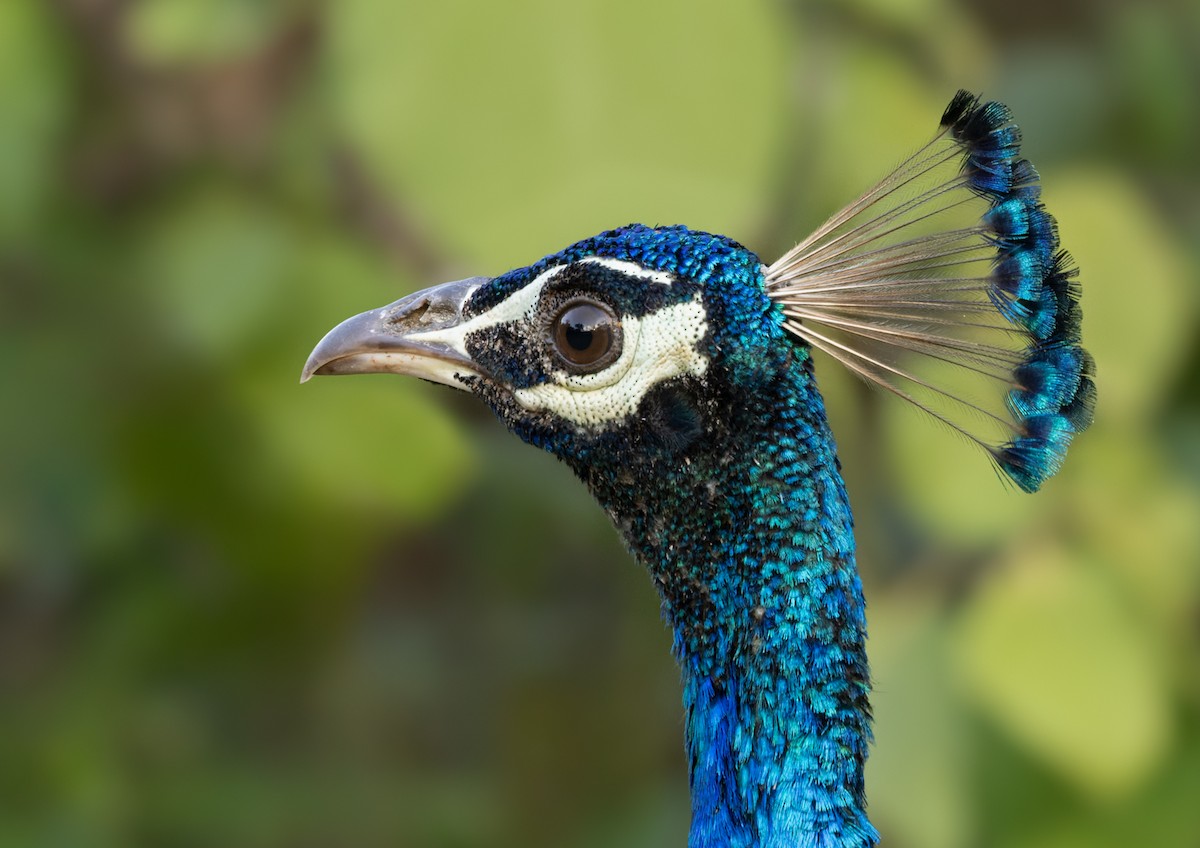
(579, 338)
(585, 335)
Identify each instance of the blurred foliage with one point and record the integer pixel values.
(238, 612)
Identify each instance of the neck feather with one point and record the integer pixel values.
(749, 539)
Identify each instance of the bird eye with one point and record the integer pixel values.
(586, 336)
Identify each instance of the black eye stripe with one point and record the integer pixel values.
(627, 294)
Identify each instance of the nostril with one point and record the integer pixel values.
(436, 308)
(440, 311)
(426, 313)
(411, 317)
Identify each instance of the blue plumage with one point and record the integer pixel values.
(673, 372)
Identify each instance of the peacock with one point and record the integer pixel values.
(672, 370)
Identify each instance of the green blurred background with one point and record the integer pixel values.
(235, 611)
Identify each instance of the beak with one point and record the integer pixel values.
(419, 335)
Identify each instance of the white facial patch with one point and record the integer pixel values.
(657, 347)
(631, 269)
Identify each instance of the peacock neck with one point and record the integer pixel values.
(748, 536)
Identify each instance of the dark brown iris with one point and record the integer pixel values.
(586, 335)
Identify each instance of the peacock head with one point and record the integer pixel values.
(637, 336)
(631, 345)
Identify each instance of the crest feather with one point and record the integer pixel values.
(952, 260)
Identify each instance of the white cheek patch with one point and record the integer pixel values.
(657, 347)
(519, 305)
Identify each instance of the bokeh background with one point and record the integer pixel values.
(235, 611)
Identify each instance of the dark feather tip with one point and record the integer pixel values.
(1081, 410)
(1033, 458)
(991, 140)
(962, 103)
(1047, 381)
(1068, 318)
(1039, 317)
(1025, 176)
(981, 127)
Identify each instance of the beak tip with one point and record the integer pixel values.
(310, 368)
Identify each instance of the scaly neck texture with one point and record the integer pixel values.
(749, 539)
